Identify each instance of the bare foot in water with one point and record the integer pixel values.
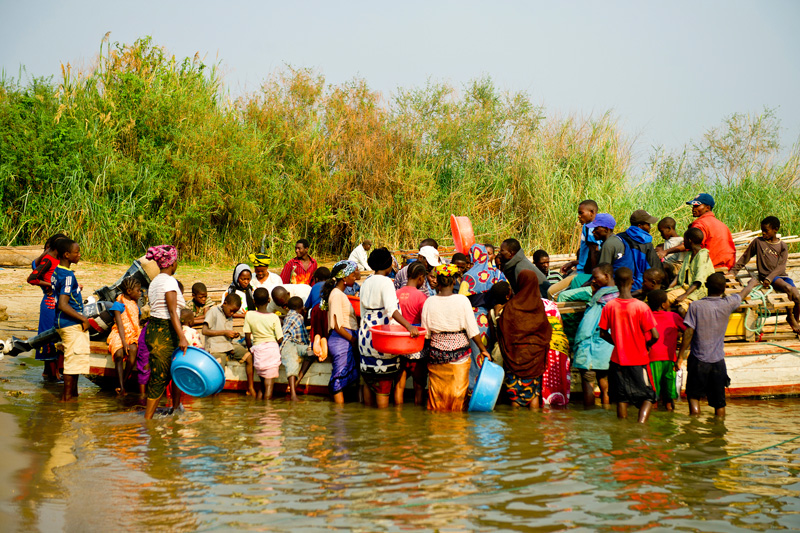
(120, 392)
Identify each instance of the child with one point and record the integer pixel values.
(296, 353)
(462, 262)
(490, 252)
(652, 280)
(70, 323)
(321, 275)
(663, 353)
(591, 354)
(218, 332)
(587, 253)
(241, 286)
(191, 334)
(687, 287)
(263, 335)
(411, 299)
(126, 320)
(771, 255)
(200, 303)
(640, 252)
(625, 323)
(706, 323)
(671, 251)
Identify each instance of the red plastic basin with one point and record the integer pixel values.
(395, 339)
(463, 236)
(355, 301)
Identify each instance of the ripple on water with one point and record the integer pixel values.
(231, 463)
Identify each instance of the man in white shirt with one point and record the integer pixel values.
(361, 254)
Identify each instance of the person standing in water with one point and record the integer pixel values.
(164, 331)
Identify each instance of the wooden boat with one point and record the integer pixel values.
(756, 369)
(19, 256)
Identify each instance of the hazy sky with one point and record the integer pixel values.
(668, 70)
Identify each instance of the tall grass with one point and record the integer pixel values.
(145, 148)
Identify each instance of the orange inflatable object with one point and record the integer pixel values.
(463, 236)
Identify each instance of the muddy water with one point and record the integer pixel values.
(233, 464)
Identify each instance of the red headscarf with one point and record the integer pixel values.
(525, 329)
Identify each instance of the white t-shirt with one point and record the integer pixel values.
(378, 292)
(156, 294)
(271, 281)
(449, 314)
(360, 256)
(294, 290)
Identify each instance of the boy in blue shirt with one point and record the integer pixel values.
(71, 325)
(587, 254)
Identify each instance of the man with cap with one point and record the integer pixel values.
(640, 245)
(429, 257)
(614, 251)
(717, 237)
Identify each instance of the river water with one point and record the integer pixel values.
(231, 463)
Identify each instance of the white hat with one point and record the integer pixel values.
(430, 254)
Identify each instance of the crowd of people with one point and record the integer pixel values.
(651, 313)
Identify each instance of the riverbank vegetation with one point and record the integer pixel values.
(146, 148)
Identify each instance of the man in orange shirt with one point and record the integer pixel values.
(716, 235)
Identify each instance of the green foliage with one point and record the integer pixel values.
(145, 149)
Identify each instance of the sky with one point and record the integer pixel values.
(668, 71)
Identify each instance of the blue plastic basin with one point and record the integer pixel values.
(197, 373)
(487, 387)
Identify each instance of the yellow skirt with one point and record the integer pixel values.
(447, 386)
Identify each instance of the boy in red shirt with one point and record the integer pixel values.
(625, 323)
(663, 357)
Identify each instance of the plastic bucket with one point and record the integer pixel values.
(355, 301)
(487, 387)
(463, 236)
(396, 340)
(197, 373)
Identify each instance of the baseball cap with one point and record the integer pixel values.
(602, 220)
(702, 198)
(430, 254)
(641, 216)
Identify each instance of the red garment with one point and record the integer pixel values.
(718, 239)
(52, 263)
(411, 301)
(669, 325)
(294, 273)
(628, 320)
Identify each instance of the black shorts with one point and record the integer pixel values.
(630, 384)
(707, 380)
(593, 376)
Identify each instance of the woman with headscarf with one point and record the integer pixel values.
(475, 286)
(450, 324)
(242, 275)
(379, 307)
(262, 277)
(342, 324)
(525, 334)
(164, 332)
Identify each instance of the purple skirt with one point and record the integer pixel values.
(143, 359)
(343, 360)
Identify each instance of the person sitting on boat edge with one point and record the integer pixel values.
(262, 277)
(771, 258)
(706, 322)
(587, 254)
(219, 334)
(200, 304)
(688, 285)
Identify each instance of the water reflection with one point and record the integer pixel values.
(232, 463)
